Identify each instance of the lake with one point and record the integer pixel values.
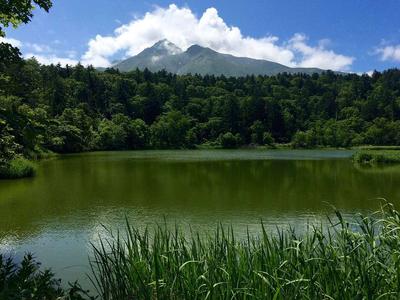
(57, 214)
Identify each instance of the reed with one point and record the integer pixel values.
(342, 260)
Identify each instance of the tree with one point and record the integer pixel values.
(229, 141)
(14, 13)
(138, 134)
(170, 130)
(268, 139)
(111, 136)
(71, 109)
(8, 147)
(75, 129)
(303, 139)
(257, 132)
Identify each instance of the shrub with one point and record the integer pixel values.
(268, 139)
(229, 141)
(376, 156)
(27, 281)
(303, 139)
(17, 168)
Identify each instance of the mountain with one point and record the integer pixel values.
(201, 60)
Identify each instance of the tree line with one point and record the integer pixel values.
(74, 109)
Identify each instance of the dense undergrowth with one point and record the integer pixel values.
(17, 168)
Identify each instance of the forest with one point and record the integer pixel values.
(50, 108)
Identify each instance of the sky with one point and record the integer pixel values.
(353, 36)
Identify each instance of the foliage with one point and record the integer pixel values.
(16, 12)
(27, 281)
(170, 130)
(229, 141)
(303, 139)
(75, 109)
(268, 139)
(257, 129)
(8, 147)
(17, 168)
(376, 156)
(342, 260)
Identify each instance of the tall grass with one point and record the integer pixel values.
(359, 260)
(17, 168)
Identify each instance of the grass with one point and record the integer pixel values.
(376, 156)
(18, 168)
(345, 260)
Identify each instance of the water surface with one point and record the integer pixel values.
(60, 211)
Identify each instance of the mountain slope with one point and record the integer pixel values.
(201, 60)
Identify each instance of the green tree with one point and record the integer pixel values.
(75, 129)
(13, 13)
(303, 139)
(268, 139)
(8, 147)
(111, 136)
(257, 132)
(228, 140)
(138, 134)
(170, 130)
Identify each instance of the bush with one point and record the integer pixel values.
(229, 141)
(27, 281)
(268, 139)
(303, 139)
(376, 156)
(17, 168)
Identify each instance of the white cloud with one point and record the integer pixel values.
(43, 53)
(318, 56)
(13, 42)
(369, 73)
(48, 59)
(38, 47)
(183, 28)
(389, 52)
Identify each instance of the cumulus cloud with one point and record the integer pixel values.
(183, 28)
(389, 53)
(40, 48)
(11, 41)
(318, 56)
(48, 59)
(43, 53)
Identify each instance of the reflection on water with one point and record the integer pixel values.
(58, 212)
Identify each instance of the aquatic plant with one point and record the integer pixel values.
(342, 260)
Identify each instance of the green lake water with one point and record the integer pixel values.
(57, 214)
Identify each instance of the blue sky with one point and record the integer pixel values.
(354, 35)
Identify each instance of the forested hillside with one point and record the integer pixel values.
(76, 109)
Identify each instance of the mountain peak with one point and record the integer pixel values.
(166, 46)
(197, 59)
(195, 49)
